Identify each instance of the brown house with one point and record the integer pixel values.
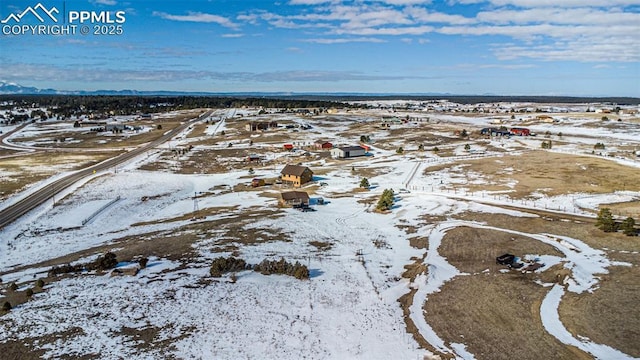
(294, 198)
(296, 175)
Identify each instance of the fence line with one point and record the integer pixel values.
(102, 208)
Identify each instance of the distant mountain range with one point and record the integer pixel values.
(9, 88)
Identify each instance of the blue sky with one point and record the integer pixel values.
(504, 47)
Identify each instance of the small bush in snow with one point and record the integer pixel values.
(40, 283)
(222, 265)
(13, 287)
(6, 306)
(143, 262)
(29, 292)
(297, 270)
(106, 262)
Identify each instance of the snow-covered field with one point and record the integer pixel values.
(348, 309)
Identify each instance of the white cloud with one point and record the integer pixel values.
(577, 16)
(236, 35)
(405, 2)
(105, 2)
(585, 50)
(408, 30)
(198, 17)
(565, 3)
(541, 29)
(31, 72)
(344, 40)
(308, 2)
(423, 15)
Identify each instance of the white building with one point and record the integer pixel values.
(348, 152)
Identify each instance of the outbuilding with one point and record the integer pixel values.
(348, 152)
(519, 131)
(322, 145)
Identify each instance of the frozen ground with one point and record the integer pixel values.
(348, 309)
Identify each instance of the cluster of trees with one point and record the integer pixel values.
(607, 223)
(386, 200)
(222, 265)
(599, 146)
(365, 139)
(546, 144)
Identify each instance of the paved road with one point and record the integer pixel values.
(30, 202)
(9, 133)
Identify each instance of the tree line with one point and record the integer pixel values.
(76, 105)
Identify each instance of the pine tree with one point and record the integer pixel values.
(605, 220)
(386, 200)
(364, 183)
(628, 226)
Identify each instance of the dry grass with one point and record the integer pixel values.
(626, 209)
(611, 314)
(576, 227)
(89, 139)
(21, 171)
(473, 250)
(497, 315)
(550, 174)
